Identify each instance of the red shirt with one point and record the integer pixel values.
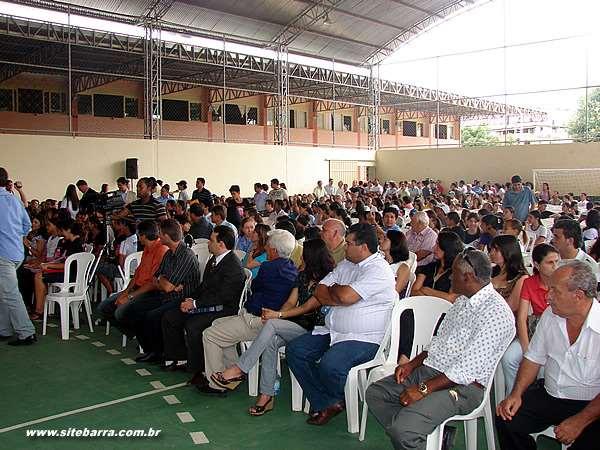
(535, 293)
(151, 259)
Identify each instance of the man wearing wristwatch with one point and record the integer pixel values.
(450, 377)
(115, 305)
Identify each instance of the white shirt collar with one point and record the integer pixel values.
(220, 257)
(593, 318)
(366, 260)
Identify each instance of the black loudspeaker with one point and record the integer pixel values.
(131, 168)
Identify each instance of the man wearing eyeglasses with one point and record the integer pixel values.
(450, 378)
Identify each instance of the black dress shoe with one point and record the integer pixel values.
(206, 389)
(27, 341)
(148, 357)
(198, 379)
(174, 367)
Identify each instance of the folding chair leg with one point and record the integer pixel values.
(107, 332)
(124, 341)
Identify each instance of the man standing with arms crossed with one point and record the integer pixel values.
(14, 224)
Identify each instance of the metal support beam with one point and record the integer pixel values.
(152, 81)
(43, 55)
(303, 21)
(375, 93)
(393, 44)
(282, 125)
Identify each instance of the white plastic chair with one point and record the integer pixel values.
(244, 345)
(203, 255)
(241, 254)
(411, 281)
(72, 294)
(427, 312)
(201, 241)
(131, 263)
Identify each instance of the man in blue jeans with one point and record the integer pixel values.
(14, 224)
(361, 293)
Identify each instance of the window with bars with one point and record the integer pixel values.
(131, 107)
(385, 126)
(177, 110)
(31, 101)
(195, 111)
(6, 100)
(409, 128)
(55, 102)
(347, 123)
(84, 105)
(108, 105)
(441, 131)
(252, 116)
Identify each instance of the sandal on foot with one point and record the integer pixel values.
(230, 383)
(259, 410)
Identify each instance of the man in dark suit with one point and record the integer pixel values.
(218, 296)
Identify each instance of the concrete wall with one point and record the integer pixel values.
(494, 164)
(46, 164)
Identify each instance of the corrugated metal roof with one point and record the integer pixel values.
(357, 28)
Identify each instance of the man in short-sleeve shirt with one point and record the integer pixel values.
(146, 207)
(360, 293)
(565, 343)
(520, 198)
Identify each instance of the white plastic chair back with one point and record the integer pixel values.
(241, 254)
(427, 311)
(84, 264)
(131, 263)
(411, 281)
(203, 255)
(246, 290)
(413, 257)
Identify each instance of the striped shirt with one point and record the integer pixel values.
(204, 196)
(152, 210)
(180, 268)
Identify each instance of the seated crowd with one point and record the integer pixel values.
(324, 272)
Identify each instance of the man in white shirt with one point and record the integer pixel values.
(567, 238)
(330, 188)
(319, 191)
(127, 195)
(376, 188)
(450, 378)
(361, 293)
(565, 343)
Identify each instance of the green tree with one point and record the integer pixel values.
(585, 125)
(479, 136)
